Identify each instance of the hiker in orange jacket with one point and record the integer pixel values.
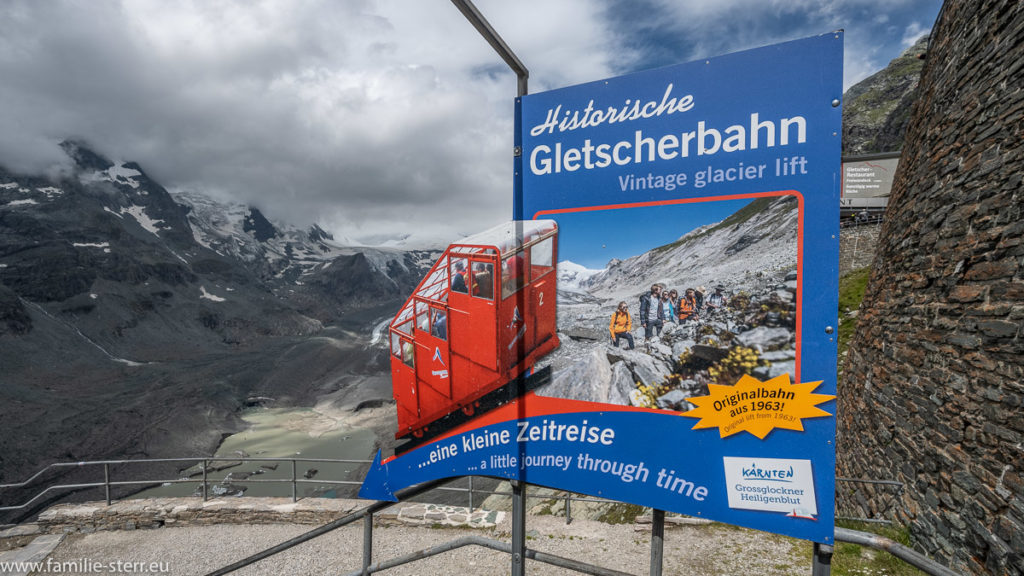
(687, 308)
(621, 325)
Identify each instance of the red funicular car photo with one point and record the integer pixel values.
(479, 320)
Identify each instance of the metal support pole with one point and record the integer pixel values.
(106, 481)
(295, 497)
(471, 494)
(821, 563)
(484, 28)
(367, 543)
(518, 528)
(657, 541)
(205, 489)
(568, 508)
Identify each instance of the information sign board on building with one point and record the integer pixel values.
(867, 180)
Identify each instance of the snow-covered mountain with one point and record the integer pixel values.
(137, 322)
(279, 250)
(760, 237)
(572, 276)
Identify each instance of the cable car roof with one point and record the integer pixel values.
(505, 236)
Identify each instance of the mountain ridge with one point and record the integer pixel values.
(122, 334)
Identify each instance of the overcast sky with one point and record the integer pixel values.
(368, 117)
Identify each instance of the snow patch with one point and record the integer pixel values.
(21, 202)
(93, 296)
(9, 186)
(139, 213)
(378, 331)
(91, 244)
(117, 174)
(50, 191)
(112, 212)
(212, 297)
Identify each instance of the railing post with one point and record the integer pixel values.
(518, 528)
(568, 508)
(295, 497)
(470, 494)
(205, 486)
(367, 542)
(106, 481)
(821, 563)
(657, 541)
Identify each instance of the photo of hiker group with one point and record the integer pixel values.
(658, 302)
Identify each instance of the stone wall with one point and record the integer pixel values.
(933, 386)
(857, 246)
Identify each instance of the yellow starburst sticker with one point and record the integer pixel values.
(757, 407)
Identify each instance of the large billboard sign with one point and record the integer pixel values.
(693, 214)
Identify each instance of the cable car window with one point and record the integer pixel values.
(422, 317)
(396, 346)
(405, 327)
(512, 273)
(407, 354)
(439, 326)
(483, 280)
(459, 275)
(541, 260)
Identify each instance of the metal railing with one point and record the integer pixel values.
(204, 482)
(870, 220)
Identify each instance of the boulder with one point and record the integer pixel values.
(784, 296)
(659, 348)
(588, 379)
(648, 370)
(672, 400)
(764, 338)
(622, 385)
(682, 346)
(773, 370)
(779, 355)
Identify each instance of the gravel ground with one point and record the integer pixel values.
(711, 549)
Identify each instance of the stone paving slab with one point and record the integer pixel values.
(449, 516)
(36, 551)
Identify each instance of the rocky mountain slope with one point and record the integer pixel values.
(137, 323)
(876, 110)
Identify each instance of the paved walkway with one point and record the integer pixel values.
(18, 562)
(192, 546)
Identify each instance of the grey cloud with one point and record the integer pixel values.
(368, 116)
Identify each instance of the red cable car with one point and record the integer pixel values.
(480, 319)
